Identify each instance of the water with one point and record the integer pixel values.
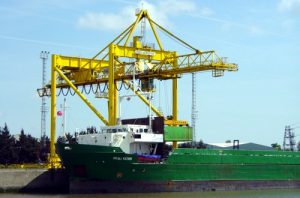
(236, 194)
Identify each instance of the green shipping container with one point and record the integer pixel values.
(178, 133)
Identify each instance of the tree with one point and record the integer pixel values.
(198, 145)
(28, 148)
(25, 149)
(6, 146)
(298, 146)
(67, 138)
(91, 130)
(201, 145)
(276, 146)
(44, 150)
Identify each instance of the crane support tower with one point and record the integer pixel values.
(289, 139)
(44, 57)
(118, 63)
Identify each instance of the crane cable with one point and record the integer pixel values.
(85, 91)
(120, 88)
(72, 94)
(60, 90)
(94, 91)
(126, 88)
(171, 37)
(92, 88)
(65, 94)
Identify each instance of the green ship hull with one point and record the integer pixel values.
(111, 164)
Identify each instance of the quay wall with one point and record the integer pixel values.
(34, 181)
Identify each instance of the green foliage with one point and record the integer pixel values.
(44, 148)
(28, 148)
(67, 138)
(276, 146)
(25, 149)
(7, 154)
(89, 130)
(199, 145)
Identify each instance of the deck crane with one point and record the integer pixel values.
(116, 63)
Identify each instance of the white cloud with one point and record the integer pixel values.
(159, 12)
(255, 30)
(176, 7)
(205, 11)
(289, 6)
(106, 21)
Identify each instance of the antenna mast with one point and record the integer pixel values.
(194, 107)
(64, 123)
(143, 25)
(44, 57)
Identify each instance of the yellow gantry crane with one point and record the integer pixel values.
(122, 61)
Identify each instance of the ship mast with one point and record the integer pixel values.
(64, 123)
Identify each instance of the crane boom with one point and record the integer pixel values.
(83, 71)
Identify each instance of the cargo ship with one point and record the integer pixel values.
(134, 158)
(134, 155)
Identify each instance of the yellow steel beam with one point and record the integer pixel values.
(85, 100)
(143, 53)
(122, 36)
(201, 61)
(172, 35)
(116, 102)
(175, 99)
(53, 111)
(198, 68)
(176, 122)
(175, 145)
(170, 66)
(154, 31)
(111, 88)
(70, 63)
(139, 17)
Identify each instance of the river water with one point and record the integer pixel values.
(236, 194)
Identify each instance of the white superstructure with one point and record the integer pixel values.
(138, 139)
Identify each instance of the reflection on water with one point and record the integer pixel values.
(236, 194)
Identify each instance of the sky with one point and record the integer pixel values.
(252, 105)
